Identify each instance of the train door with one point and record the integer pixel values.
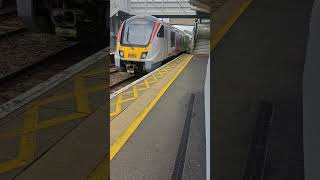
(161, 42)
(179, 42)
(166, 42)
(172, 41)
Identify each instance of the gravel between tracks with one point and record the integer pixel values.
(118, 77)
(11, 20)
(10, 23)
(27, 48)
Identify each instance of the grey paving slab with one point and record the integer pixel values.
(76, 155)
(260, 58)
(96, 97)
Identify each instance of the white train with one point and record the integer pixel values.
(144, 42)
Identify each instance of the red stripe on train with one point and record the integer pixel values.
(155, 29)
(120, 31)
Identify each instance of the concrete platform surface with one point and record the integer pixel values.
(260, 58)
(151, 150)
(33, 126)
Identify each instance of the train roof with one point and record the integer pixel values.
(155, 20)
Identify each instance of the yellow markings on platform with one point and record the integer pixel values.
(146, 84)
(116, 146)
(225, 28)
(11, 164)
(43, 125)
(28, 142)
(118, 106)
(143, 85)
(101, 172)
(31, 123)
(81, 96)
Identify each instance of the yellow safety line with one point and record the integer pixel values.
(81, 96)
(225, 28)
(11, 164)
(43, 125)
(146, 83)
(134, 92)
(70, 95)
(118, 106)
(28, 142)
(161, 73)
(128, 99)
(116, 146)
(135, 89)
(154, 77)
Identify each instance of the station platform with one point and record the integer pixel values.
(58, 129)
(148, 123)
(259, 57)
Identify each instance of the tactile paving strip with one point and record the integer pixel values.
(120, 102)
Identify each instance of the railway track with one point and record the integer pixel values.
(10, 24)
(120, 79)
(28, 59)
(25, 79)
(8, 8)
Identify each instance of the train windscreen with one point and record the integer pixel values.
(137, 32)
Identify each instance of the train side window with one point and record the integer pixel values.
(173, 38)
(161, 32)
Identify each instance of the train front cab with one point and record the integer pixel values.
(144, 42)
(134, 45)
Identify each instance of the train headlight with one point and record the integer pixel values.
(121, 53)
(144, 55)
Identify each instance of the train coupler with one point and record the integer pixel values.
(131, 68)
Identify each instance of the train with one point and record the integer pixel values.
(75, 19)
(145, 42)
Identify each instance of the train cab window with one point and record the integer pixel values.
(161, 32)
(173, 38)
(137, 32)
